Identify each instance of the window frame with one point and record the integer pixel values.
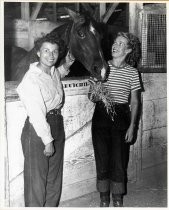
(156, 68)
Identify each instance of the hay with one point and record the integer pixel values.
(99, 93)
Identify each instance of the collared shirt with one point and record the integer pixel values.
(121, 81)
(40, 93)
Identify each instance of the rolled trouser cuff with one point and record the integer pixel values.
(117, 187)
(103, 185)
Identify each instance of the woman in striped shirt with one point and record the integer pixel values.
(112, 137)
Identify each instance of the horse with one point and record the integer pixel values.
(81, 39)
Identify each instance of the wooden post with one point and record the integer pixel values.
(134, 28)
(102, 10)
(25, 11)
(134, 19)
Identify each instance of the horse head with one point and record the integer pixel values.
(83, 41)
(84, 44)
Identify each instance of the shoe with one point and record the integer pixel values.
(118, 203)
(104, 199)
(104, 203)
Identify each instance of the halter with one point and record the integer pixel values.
(68, 35)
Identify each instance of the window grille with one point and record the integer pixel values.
(153, 40)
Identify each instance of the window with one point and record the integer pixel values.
(153, 39)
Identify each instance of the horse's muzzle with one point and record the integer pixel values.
(99, 71)
(99, 74)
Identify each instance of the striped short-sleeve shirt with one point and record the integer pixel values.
(121, 81)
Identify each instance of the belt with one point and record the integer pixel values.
(54, 112)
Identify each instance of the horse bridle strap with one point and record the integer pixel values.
(69, 38)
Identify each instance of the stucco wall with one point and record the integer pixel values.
(154, 120)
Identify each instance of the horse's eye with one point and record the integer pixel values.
(81, 34)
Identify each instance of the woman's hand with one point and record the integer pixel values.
(129, 134)
(49, 149)
(69, 58)
(92, 95)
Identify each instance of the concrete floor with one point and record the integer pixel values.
(150, 191)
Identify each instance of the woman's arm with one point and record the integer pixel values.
(64, 68)
(135, 102)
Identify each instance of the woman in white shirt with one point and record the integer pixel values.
(41, 93)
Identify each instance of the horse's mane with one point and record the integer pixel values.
(62, 31)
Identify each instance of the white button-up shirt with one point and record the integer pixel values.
(40, 93)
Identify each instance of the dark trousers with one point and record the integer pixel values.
(111, 151)
(42, 175)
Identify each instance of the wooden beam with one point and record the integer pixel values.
(109, 12)
(25, 11)
(35, 11)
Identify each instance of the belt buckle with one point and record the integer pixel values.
(51, 112)
(55, 111)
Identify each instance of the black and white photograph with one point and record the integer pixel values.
(84, 104)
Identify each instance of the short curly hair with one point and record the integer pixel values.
(133, 43)
(53, 40)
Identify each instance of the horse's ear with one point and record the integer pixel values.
(76, 17)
